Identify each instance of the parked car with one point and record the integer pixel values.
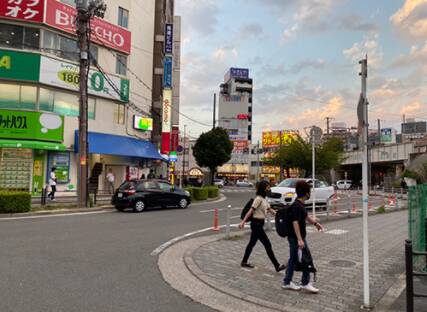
(344, 184)
(142, 194)
(284, 192)
(219, 183)
(244, 183)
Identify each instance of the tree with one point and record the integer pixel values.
(297, 154)
(213, 149)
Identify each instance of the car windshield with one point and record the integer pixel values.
(289, 183)
(127, 185)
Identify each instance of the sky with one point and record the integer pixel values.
(303, 57)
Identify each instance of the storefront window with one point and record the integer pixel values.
(31, 38)
(91, 108)
(19, 37)
(61, 161)
(46, 100)
(9, 95)
(28, 97)
(66, 104)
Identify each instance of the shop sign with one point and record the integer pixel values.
(19, 65)
(195, 172)
(66, 75)
(63, 17)
(175, 137)
(388, 135)
(25, 10)
(272, 138)
(61, 161)
(142, 123)
(173, 156)
(167, 72)
(169, 39)
(240, 145)
(31, 125)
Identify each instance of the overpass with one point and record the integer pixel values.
(393, 153)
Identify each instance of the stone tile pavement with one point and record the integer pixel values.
(340, 281)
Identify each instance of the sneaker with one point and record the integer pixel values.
(291, 286)
(310, 288)
(280, 268)
(247, 265)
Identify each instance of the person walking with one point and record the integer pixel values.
(110, 179)
(151, 175)
(258, 211)
(297, 238)
(52, 184)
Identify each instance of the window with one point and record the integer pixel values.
(121, 64)
(165, 187)
(149, 185)
(46, 100)
(19, 37)
(119, 114)
(31, 38)
(68, 48)
(28, 98)
(18, 96)
(123, 17)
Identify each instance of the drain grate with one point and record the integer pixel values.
(342, 263)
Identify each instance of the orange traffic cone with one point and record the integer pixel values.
(216, 221)
(353, 207)
(369, 205)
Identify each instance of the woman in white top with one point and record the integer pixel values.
(258, 211)
(52, 184)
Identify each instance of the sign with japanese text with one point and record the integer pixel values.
(26, 10)
(19, 65)
(31, 125)
(66, 75)
(236, 73)
(175, 137)
(272, 138)
(63, 17)
(142, 123)
(169, 39)
(167, 72)
(240, 146)
(166, 121)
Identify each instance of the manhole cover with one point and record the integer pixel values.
(342, 263)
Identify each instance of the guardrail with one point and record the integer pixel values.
(70, 197)
(410, 273)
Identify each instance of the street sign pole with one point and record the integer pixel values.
(313, 156)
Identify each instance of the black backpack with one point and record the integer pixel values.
(246, 209)
(283, 224)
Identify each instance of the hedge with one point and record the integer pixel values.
(201, 193)
(11, 202)
(213, 191)
(191, 191)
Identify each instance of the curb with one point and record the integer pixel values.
(54, 212)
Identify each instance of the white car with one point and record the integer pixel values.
(344, 184)
(284, 192)
(244, 183)
(219, 183)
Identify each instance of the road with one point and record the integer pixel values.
(99, 262)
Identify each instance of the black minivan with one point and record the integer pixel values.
(142, 194)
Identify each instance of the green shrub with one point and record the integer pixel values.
(381, 209)
(191, 191)
(213, 191)
(201, 193)
(12, 202)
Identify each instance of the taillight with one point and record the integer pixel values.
(130, 192)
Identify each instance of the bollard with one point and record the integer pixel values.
(216, 221)
(327, 208)
(349, 206)
(409, 277)
(227, 226)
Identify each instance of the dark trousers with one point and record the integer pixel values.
(258, 233)
(293, 259)
(52, 192)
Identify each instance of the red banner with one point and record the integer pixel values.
(63, 17)
(166, 136)
(175, 138)
(27, 10)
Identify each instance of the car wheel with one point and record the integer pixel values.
(183, 203)
(139, 206)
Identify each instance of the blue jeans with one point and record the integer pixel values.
(293, 259)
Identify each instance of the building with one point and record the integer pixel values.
(39, 102)
(235, 115)
(413, 130)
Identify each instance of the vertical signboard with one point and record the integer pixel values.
(167, 72)
(166, 120)
(175, 137)
(168, 38)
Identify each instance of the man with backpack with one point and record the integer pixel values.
(297, 216)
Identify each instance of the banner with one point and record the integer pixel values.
(63, 17)
(272, 138)
(19, 65)
(25, 10)
(166, 120)
(66, 75)
(31, 125)
(167, 72)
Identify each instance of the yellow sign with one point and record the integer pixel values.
(37, 168)
(5, 62)
(272, 138)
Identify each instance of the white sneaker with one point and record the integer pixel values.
(291, 286)
(310, 288)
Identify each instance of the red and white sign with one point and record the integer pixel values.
(27, 10)
(166, 121)
(63, 17)
(240, 145)
(243, 116)
(175, 138)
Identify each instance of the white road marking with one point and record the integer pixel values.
(71, 214)
(336, 232)
(219, 209)
(223, 198)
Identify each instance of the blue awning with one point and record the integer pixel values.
(110, 144)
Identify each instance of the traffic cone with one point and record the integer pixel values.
(353, 207)
(334, 207)
(369, 205)
(216, 221)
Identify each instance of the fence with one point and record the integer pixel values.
(96, 197)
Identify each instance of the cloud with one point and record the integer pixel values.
(225, 52)
(355, 23)
(411, 19)
(413, 108)
(369, 46)
(201, 17)
(250, 31)
(315, 64)
(417, 56)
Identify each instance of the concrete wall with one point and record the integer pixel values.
(394, 152)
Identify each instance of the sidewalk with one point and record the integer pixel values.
(214, 262)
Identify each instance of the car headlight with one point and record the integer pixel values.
(187, 193)
(287, 195)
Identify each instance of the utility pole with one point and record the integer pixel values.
(86, 11)
(328, 119)
(379, 131)
(183, 157)
(257, 162)
(280, 150)
(365, 193)
(214, 111)
(313, 181)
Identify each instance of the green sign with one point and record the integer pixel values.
(31, 125)
(142, 123)
(19, 65)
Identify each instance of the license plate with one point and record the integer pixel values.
(120, 195)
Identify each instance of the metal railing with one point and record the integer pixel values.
(410, 273)
(70, 198)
